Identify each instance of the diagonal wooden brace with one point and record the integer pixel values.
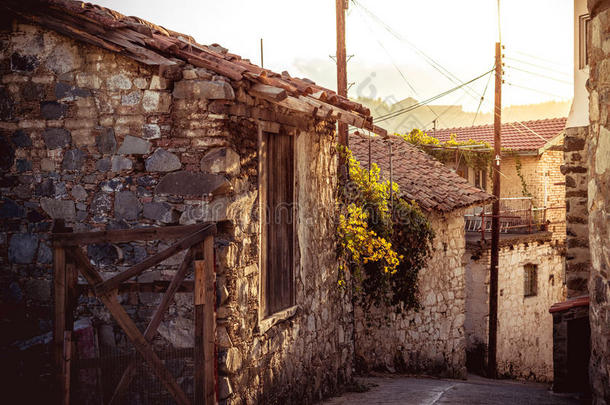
(154, 323)
(131, 330)
(104, 287)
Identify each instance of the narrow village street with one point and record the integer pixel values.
(428, 391)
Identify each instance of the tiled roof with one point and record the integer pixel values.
(157, 46)
(420, 177)
(517, 136)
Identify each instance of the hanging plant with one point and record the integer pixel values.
(383, 242)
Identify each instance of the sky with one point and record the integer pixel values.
(399, 47)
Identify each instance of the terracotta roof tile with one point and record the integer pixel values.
(518, 136)
(420, 177)
(155, 45)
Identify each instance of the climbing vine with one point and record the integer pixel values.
(383, 241)
(446, 151)
(518, 167)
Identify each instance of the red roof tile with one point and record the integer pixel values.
(517, 136)
(157, 46)
(421, 178)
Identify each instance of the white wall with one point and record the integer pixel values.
(579, 112)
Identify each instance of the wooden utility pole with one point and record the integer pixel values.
(495, 222)
(341, 6)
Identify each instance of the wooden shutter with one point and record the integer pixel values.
(278, 222)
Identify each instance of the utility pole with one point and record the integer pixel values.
(495, 223)
(341, 6)
(262, 52)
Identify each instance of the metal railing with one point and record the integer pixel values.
(518, 215)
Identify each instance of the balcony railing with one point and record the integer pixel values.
(518, 215)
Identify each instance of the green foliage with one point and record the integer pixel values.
(446, 151)
(383, 241)
(518, 167)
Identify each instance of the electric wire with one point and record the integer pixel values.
(555, 63)
(392, 59)
(437, 66)
(561, 72)
(539, 75)
(535, 90)
(422, 103)
(482, 97)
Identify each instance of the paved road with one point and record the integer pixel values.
(393, 390)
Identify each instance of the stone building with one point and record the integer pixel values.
(431, 340)
(530, 280)
(570, 317)
(530, 165)
(111, 122)
(531, 257)
(598, 196)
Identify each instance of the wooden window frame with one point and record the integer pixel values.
(267, 318)
(583, 40)
(530, 280)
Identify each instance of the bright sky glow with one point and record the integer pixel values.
(458, 35)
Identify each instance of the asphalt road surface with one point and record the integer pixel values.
(393, 390)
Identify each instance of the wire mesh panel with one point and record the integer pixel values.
(98, 372)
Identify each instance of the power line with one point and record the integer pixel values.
(455, 104)
(437, 66)
(392, 61)
(535, 90)
(482, 98)
(539, 58)
(421, 103)
(540, 75)
(561, 72)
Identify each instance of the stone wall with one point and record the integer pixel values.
(429, 341)
(598, 162)
(525, 327)
(578, 259)
(107, 143)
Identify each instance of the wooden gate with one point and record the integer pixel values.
(69, 259)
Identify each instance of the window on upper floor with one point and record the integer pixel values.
(583, 42)
(480, 179)
(530, 280)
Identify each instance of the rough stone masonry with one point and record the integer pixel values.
(598, 200)
(104, 142)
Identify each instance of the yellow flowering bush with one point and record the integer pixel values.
(362, 244)
(382, 245)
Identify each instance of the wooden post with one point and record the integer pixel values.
(483, 225)
(495, 223)
(205, 333)
(67, 357)
(341, 5)
(59, 325)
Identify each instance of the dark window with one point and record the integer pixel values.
(480, 179)
(277, 239)
(583, 42)
(530, 280)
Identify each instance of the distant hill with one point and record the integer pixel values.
(454, 116)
